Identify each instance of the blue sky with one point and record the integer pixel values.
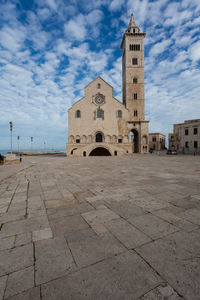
(50, 50)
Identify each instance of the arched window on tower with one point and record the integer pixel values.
(135, 113)
(100, 113)
(77, 114)
(119, 114)
(135, 80)
(131, 47)
(134, 61)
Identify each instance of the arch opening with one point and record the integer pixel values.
(100, 151)
(134, 140)
(99, 137)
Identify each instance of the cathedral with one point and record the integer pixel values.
(98, 123)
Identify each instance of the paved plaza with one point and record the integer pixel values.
(100, 228)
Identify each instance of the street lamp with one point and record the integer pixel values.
(18, 142)
(11, 128)
(31, 142)
(44, 145)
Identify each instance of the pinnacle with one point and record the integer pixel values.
(132, 22)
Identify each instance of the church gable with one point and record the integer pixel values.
(98, 93)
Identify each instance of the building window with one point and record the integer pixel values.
(84, 153)
(134, 61)
(134, 30)
(195, 130)
(78, 141)
(135, 96)
(186, 131)
(115, 153)
(135, 47)
(135, 80)
(186, 144)
(100, 113)
(78, 114)
(154, 139)
(120, 141)
(195, 144)
(98, 85)
(172, 138)
(119, 114)
(135, 113)
(99, 138)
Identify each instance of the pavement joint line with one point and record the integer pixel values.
(41, 292)
(34, 267)
(12, 198)
(15, 173)
(151, 290)
(5, 287)
(149, 264)
(26, 212)
(71, 252)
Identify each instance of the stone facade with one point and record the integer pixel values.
(99, 124)
(157, 141)
(186, 137)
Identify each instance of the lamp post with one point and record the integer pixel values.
(44, 145)
(18, 142)
(11, 128)
(31, 142)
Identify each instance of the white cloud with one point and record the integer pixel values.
(94, 17)
(11, 38)
(159, 47)
(195, 51)
(75, 29)
(116, 5)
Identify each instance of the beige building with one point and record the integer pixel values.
(99, 124)
(157, 141)
(186, 137)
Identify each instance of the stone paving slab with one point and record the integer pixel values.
(3, 281)
(192, 215)
(181, 252)
(16, 259)
(20, 281)
(99, 216)
(125, 208)
(7, 243)
(32, 294)
(53, 259)
(23, 226)
(153, 226)
(94, 248)
(128, 235)
(63, 225)
(125, 276)
(162, 292)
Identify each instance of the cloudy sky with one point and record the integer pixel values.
(51, 49)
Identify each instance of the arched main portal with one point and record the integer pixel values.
(100, 151)
(134, 140)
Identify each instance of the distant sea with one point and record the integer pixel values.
(4, 152)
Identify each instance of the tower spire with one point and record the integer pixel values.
(132, 27)
(132, 22)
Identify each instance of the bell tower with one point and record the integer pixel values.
(132, 46)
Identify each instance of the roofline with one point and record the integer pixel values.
(76, 102)
(95, 79)
(156, 133)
